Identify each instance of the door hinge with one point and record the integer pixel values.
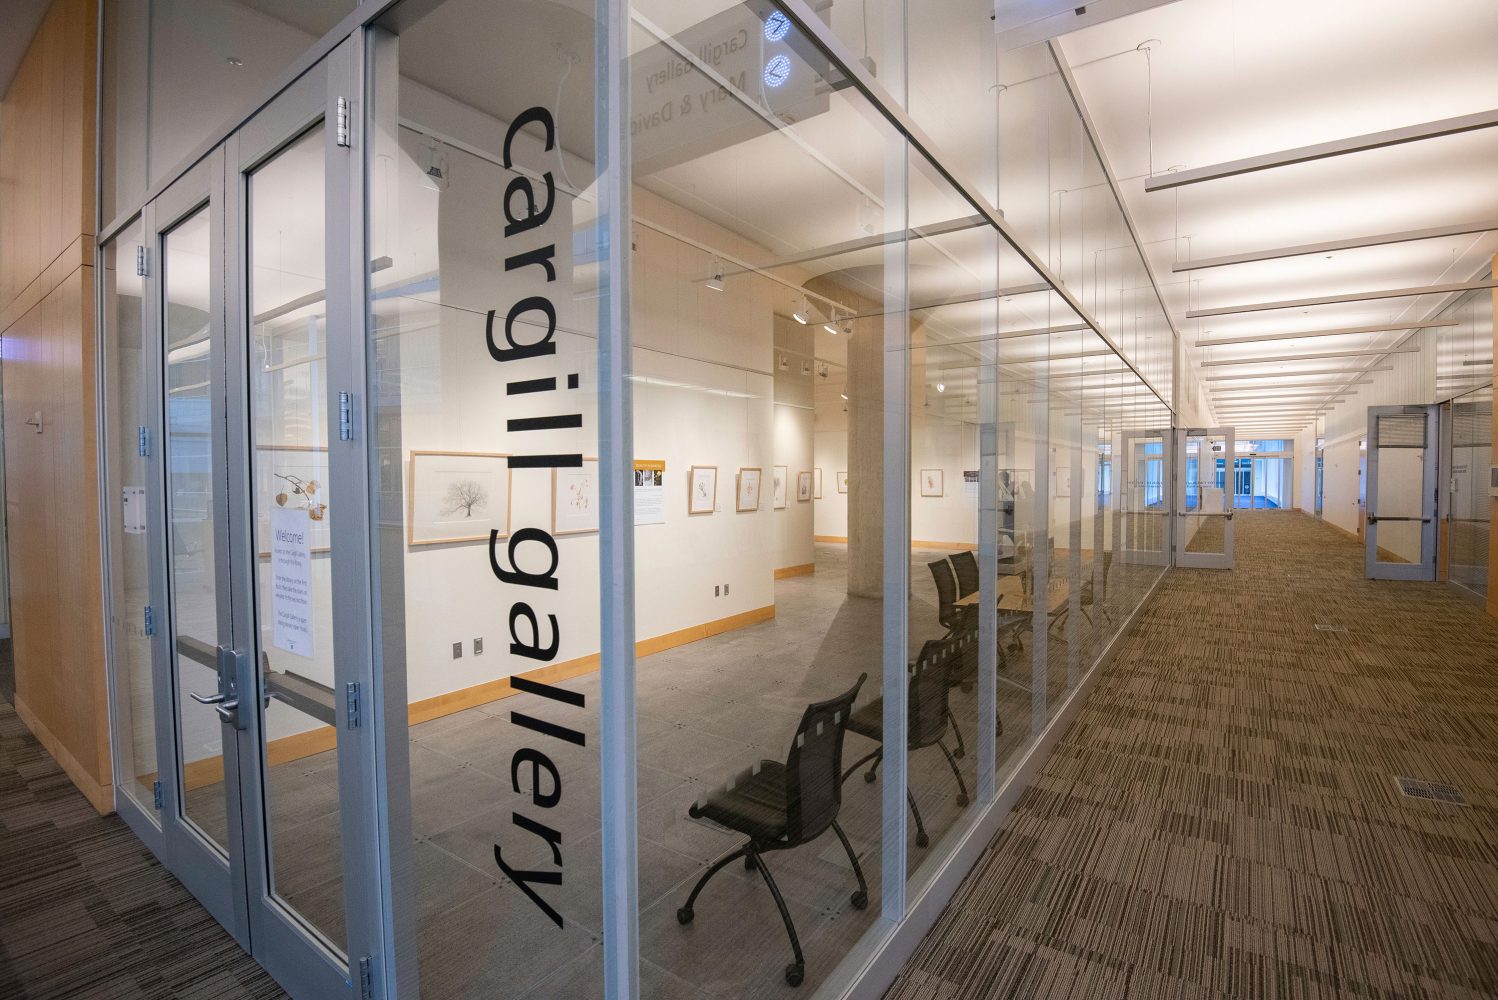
(340, 122)
(150, 621)
(156, 793)
(345, 417)
(366, 980)
(143, 440)
(351, 698)
(140, 261)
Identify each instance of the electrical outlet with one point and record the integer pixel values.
(478, 647)
(717, 591)
(457, 650)
(725, 590)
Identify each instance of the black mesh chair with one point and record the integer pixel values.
(952, 617)
(780, 806)
(928, 716)
(966, 565)
(1089, 598)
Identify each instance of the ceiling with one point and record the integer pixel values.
(1201, 82)
(22, 18)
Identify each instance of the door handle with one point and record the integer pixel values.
(232, 664)
(212, 699)
(228, 712)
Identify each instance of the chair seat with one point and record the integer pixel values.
(869, 720)
(755, 807)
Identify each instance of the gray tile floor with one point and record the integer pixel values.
(705, 711)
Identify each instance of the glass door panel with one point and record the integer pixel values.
(1401, 492)
(1146, 503)
(1204, 510)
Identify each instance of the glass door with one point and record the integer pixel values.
(268, 816)
(1145, 465)
(1401, 491)
(1204, 509)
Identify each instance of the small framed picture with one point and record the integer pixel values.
(932, 483)
(816, 484)
(702, 486)
(457, 496)
(779, 475)
(747, 495)
(574, 499)
(803, 486)
(842, 482)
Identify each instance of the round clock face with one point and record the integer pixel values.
(777, 71)
(777, 26)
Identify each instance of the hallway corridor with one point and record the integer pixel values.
(1222, 820)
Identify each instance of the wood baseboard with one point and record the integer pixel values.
(805, 569)
(100, 796)
(917, 543)
(831, 539)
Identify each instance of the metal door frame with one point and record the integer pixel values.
(1208, 463)
(1425, 569)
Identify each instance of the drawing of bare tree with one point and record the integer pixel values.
(464, 495)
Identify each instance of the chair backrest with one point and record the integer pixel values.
(946, 590)
(930, 682)
(813, 768)
(966, 565)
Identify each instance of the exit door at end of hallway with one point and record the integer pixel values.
(1204, 498)
(1401, 491)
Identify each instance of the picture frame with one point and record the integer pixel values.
(816, 484)
(803, 487)
(304, 463)
(455, 497)
(746, 495)
(780, 475)
(574, 499)
(702, 489)
(933, 483)
(842, 482)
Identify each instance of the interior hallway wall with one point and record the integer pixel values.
(47, 216)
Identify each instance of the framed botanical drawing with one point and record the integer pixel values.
(457, 496)
(747, 494)
(842, 482)
(816, 484)
(779, 475)
(932, 483)
(292, 476)
(702, 489)
(574, 499)
(803, 486)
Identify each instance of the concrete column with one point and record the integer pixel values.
(866, 459)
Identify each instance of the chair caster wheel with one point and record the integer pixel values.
(684, 915)
(962, 801)
(921, 840)
(794, 974)
(860, 900)
(749, 865)
(959, 753)
(868, 777)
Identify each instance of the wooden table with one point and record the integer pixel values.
(1012, 596)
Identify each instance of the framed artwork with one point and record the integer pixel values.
(803, 486)
(779, 475)
(457, 496)
(747, 495)
(702, 489)
(816, 484)
(292, 476)
(842, 482)
(574, 499)
(933, 483)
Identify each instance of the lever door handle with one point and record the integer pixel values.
(212, 699)
(229, 712)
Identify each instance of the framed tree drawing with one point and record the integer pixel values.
(842, 482)
(747, 495)
(457, 496)
(702, 489)
(574, 499)
(779, 475)
(932, 482)
(816, 484)
(803, 486)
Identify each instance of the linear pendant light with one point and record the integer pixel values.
(1306, 334)
(1308, 371)
(1371, 352)
(1327, 300)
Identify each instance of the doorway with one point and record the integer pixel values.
(1204, 512)
(1401, 492)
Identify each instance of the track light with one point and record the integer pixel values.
(941, 387)
(803, 314)
(716, 281)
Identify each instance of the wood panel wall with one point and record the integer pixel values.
(47, 229)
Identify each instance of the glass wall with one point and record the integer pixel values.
(898, 461)
(1470, 523)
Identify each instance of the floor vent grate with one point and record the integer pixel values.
(1436, 791)
(1331, 628)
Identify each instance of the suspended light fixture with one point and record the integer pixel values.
(831, 325)
(716, 281)
(803, 314)
(941, 387)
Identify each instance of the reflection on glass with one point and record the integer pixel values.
(193, 456)
(131, 537)
(289, 466)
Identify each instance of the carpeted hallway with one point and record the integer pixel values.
(1223, 821)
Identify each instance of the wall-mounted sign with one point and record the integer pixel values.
(650, 491)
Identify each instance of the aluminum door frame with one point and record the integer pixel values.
(1425, 569)
(1203, 560)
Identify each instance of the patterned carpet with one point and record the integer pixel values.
(1222, 820)
(85, 912)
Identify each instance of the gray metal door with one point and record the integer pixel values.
(1401, 492)
(1204, 510)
